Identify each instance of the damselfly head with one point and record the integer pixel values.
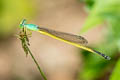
(22, 23)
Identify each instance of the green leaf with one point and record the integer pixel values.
(116, 73)
(102, 10)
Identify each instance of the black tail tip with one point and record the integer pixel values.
(103, 55)
(107, 57)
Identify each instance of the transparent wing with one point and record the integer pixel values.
(66, 36)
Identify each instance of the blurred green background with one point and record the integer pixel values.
(97, 20)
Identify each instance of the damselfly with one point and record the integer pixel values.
(72, 39)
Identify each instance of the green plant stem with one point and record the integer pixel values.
(42, 74)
